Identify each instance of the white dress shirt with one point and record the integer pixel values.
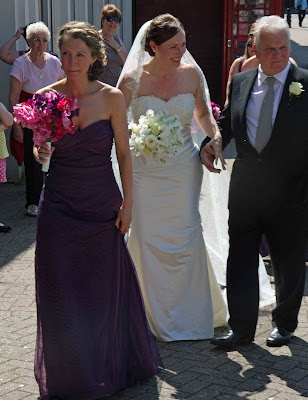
(256, 99)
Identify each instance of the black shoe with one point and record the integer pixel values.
(5, 228)
(230, 339)
(279, 337)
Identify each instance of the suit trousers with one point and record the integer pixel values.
(301, 16)
(254, 210)
(33, 171)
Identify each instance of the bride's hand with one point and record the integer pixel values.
(124, 219)
(215, 144)
(42, 152)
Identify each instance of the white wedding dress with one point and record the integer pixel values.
(183, 300)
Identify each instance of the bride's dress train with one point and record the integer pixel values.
(215, 231)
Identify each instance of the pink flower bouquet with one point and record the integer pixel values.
(215, 110)
(49, 117)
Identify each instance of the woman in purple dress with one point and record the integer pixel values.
(93, 338)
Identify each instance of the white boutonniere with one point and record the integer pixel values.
(295, 89)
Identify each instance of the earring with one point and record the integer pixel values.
(90, 68)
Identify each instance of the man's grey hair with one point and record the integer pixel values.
(35, 28)
(270, 24)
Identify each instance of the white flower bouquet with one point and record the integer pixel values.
(157, 136)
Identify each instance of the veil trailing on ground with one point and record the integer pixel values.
(215, 187)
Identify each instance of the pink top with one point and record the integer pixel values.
(32, 77)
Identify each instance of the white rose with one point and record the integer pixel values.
(142, 120)
(163, 127)
(155, 129)
(137, 129)
(140, 146)
(164, 134)
(150, 113)
(144, 131)
(151, 142)
(161, 149)
(163, 142)
(296, 88)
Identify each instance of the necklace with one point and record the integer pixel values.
(40, 63)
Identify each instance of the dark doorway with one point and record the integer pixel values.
(203, 22)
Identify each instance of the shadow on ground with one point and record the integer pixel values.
(22, 235)
(300, 54)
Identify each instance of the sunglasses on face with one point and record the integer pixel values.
(113, 19)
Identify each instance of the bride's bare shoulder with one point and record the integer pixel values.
(188, 69)
(129, 75)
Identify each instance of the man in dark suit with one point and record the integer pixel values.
(268, 189)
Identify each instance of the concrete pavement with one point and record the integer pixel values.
(299, 41)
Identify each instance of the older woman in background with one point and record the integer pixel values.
(31, 72)
(116, 53)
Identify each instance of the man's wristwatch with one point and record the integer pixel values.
(119, 49)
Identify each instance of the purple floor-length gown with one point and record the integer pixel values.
(93, 338)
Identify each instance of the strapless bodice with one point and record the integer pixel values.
(182, 105)
(89, 146)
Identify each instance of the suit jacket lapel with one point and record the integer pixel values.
(246, 88)
(283, 105)
(282, 112)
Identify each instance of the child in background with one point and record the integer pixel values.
(6, 119)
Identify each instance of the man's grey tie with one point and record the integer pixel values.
(264, 129)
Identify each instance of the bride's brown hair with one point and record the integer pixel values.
(162, 28)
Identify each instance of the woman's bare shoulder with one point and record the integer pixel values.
(57, 87)
(188, 69)
(250, 63)
(189, 73)
(109, 93)
(129, 76)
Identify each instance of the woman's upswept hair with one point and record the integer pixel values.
(89, 34)
(162, 28)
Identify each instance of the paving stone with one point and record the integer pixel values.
(194, 386)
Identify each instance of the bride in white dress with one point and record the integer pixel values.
(182, 298)
(166, 242)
